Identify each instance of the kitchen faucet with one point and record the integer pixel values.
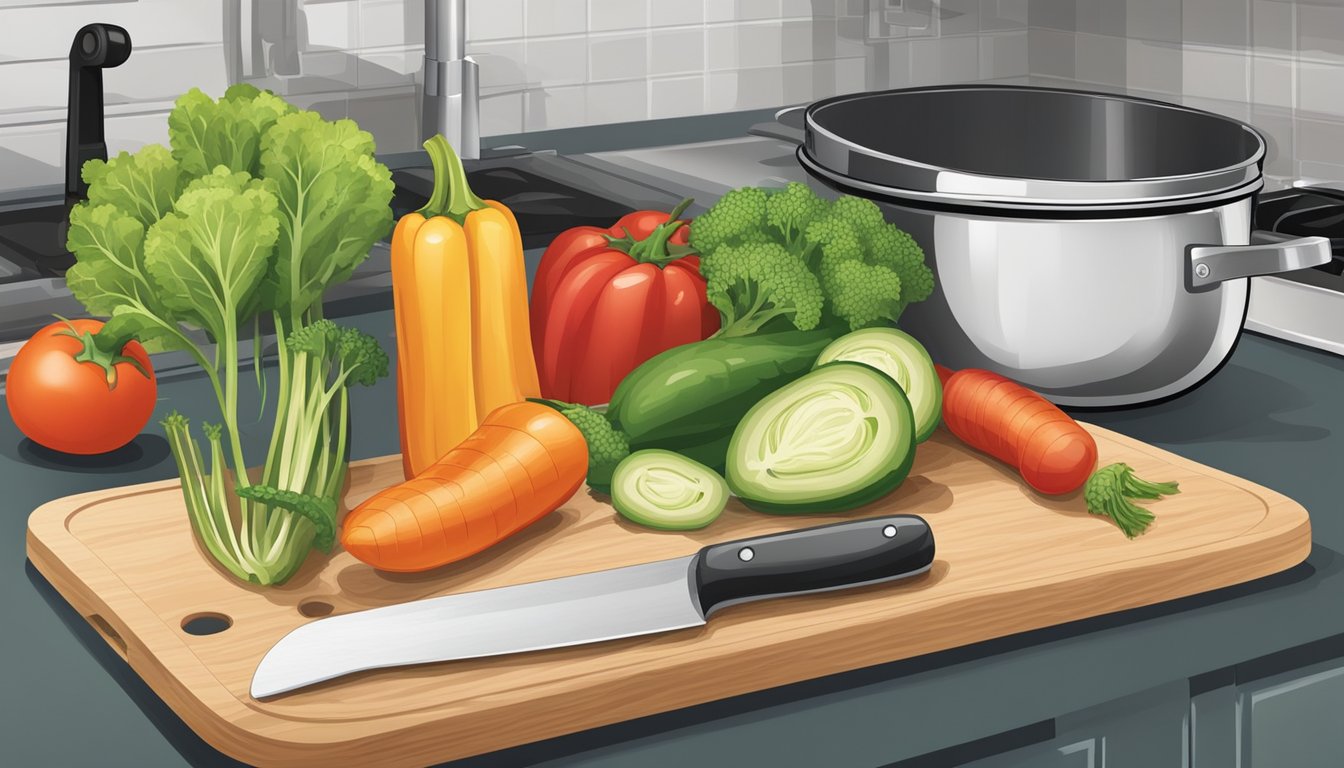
(452, 94)
(96, 47)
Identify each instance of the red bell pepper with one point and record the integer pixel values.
(606, 300)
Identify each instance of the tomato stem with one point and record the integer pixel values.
(91, 353)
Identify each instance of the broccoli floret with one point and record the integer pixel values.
(861, 294)
(896, 249)
(870, 269)
(767, 254)
(790, 211)
(860, 214)
(354, 354)
(315, 339)
(737, 217)
(361, 356)
(606, 444)
(754, 283)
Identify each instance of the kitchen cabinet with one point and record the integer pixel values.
(1148, 729)
(1287, 719)
(1293, 720)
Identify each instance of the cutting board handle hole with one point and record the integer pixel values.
(109, 634)
(201, 624)
(315, 609)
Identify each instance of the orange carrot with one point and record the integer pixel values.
(1049, 449)
(524, 461)
(1020, 428)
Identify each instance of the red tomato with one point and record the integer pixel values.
(84, 406)
(606, 300)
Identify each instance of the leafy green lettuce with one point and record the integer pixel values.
(254, 210)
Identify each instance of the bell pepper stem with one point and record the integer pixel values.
(654, 248)
(452, 195)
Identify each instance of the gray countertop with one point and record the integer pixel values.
(1272, 415)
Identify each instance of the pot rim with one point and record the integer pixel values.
(853, 164)
(1082, 209)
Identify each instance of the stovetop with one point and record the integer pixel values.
(1305, 306)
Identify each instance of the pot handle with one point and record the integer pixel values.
(1269, 253)
(787, 125)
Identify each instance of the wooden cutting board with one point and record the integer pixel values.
(1007, 561)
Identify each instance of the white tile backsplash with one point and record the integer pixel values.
(664, 14)
(1050, 52)
(1099, 59)
(1003, 55)
(559, 107)
(676, 51)
(1152, 66)
(613, 15)
(157, 74)
(1277, 64)
(556, 17)
(500, 63)
(33, 85)
(387, 68)
(996, 15)
(557, 61)
(389, 23)
(502, 113)
(934, 61)
(617, 102)
(677, 96)
(618, 56)
(760, 44)
(493, 19)
(544, 64)
(748, 10)
(329, 25)
(32, 32)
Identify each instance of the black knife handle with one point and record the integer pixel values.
(812, 560)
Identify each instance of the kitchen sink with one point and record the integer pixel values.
(544, 206)
(546, 192)
(32, 243)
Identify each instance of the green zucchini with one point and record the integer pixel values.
(689, 398)
(900, 356)
(662, 489)
(838, 438)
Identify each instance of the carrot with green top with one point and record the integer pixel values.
(1052, 452)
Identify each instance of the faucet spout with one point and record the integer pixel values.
(451, 103)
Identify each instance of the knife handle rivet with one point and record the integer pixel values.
(889, 531)
(745, 554)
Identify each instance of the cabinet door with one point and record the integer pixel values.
(1145, 730)
(1294, 720)
(1082, 754)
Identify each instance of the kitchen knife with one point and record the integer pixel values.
(603, 605)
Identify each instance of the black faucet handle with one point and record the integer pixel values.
(95, 48)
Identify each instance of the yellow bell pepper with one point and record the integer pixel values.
(459, 288)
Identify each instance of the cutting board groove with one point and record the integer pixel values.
(1008, 561)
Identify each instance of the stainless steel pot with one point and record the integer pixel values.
(1093, 247)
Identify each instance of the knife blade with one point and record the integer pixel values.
(603, 605)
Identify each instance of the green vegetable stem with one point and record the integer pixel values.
(254, 210)
(607, 446)
(1109, 492)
